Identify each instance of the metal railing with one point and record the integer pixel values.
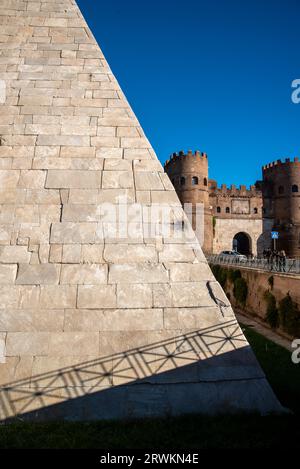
(289, 266)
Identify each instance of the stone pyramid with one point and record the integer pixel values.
(100, 315)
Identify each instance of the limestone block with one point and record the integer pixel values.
(44, 250)
(127, 132)
(49, 213)
(136, 143)
(105, 142)
(109, 153)
(73, 179)
(27, 214)
(42, 196)
(187, 294)
(64, 140)
(42, 129)
(185, 272)
(143, 197)
(164, 197)
(121, 253)
(115, 164)
(162, 295)
(84, 274)
(15, 368)
(42, 274)
(7, 214)
(193, 319)
(77, 152)
(68, 343)
(14, 254)
(5, 234)
(9, 297)
(138, 273)
(145, 180)
(79, 130)
(19, 163)
(34, 320)
(148, 166)
(134, 296)
(132, 320)
(117, 179)
(136, 154)
(176, 253)
(47, 152)
(58, 296)
(55, 254)
(32, 179)
(105, 131)
(95, 297)
(133, 340)
(9, 179)
(27, 343)
(166, 182)
(115, 196)
(80, 213)
(83, 196)
(8, 274)
(83, 320)
(92, 253)
(35, 100)
(72, 233)
(71, 253)
(28, 297)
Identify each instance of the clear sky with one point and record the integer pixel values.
(213, 75)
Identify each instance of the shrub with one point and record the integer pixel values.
(221, 274)
(271, 281)
(289, 316)
(233, 275)
(240, 290)
(272, 316)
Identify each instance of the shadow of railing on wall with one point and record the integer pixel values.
(189, 358)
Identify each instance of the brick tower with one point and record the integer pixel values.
(99, 320)
(281, 196)
(189, 175)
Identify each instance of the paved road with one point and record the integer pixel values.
(263, 330)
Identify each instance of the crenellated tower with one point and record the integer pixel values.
(189, 174)
(281, 199)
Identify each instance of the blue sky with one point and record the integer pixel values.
(213, 75)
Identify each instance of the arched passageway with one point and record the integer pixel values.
(242, 243)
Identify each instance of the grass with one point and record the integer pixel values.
(245, 431)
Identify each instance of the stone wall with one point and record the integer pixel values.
(258, 284)
(226, 229)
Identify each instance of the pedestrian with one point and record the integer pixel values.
(283, 260)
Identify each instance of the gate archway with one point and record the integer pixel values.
(242, 243)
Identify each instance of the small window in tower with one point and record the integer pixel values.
(205, 181)
(295, 188)
(218, 209)
(227, 210)
(255, 210)
(182, 181)
(195, 181)
(280, 190)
